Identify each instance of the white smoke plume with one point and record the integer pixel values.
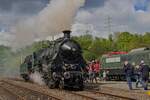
(53, 19)
(36, 77)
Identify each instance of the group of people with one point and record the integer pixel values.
(93, 70)
(139, 72)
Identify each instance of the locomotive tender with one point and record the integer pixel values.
(61, 64)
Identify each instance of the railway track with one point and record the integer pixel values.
(44, 91)
(28, 91)
(19, 92)
(111, 96)
(133, 94)
(22, 91)
(97, 95)
(87, 95)
(119, 89)
(7, 95)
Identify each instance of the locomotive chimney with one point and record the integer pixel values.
(67, 33)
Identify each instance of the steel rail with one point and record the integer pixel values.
(10, 92)
(111, 95)
(54, 97)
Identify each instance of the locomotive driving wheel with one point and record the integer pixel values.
(51, 84)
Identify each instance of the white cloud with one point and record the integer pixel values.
(11, 11)
(79, 28)
(5, 38)
(148, 6)
(123, 17)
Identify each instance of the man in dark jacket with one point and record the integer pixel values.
(137, 75)
(128, 69)
(145, 74)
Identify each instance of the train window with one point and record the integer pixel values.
(112, 60)
(129, 57)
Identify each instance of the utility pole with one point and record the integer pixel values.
(53, 37)
(109, 24)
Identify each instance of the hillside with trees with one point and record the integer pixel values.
(93, 48)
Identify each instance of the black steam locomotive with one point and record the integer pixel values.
(61, 64)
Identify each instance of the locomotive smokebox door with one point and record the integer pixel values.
(66, 33)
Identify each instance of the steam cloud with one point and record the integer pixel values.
(56, 17)
(36, 77)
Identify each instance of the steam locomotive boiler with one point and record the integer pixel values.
(61, 64)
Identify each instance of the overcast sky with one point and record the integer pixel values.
(124, 15)
(119, 15)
